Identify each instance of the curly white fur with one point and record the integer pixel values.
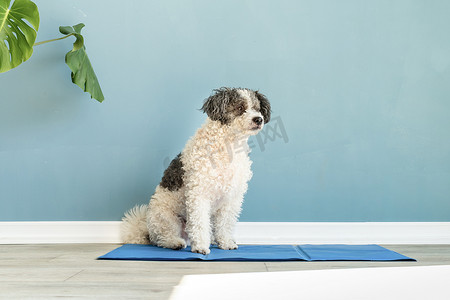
(205, 209)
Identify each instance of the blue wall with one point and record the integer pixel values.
(361, 89)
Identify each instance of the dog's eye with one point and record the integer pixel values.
(241, 108)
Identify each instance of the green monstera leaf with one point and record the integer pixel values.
(16, 35)
(83, 74)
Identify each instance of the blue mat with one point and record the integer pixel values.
(260, 253)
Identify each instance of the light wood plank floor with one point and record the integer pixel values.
(71, 270)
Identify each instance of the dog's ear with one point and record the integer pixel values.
(264, 105)
(216, 105)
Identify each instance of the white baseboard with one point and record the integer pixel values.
(246, 232)
(344, 233)
(59, 232)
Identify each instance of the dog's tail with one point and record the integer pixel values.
(133, 229)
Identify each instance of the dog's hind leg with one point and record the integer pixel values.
(163, 221)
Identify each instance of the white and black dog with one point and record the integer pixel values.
(200, 195)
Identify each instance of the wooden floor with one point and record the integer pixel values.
(71, 270)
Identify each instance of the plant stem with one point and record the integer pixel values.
(45, 42)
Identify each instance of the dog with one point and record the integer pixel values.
(201, 192)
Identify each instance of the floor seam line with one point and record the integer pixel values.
(73, 275)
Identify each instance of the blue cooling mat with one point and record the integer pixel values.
(260, 253)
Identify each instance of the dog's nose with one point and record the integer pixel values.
(258, 120)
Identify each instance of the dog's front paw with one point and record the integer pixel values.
(227, 245)
(201, 250)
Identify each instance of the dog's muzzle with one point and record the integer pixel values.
(257, 120)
